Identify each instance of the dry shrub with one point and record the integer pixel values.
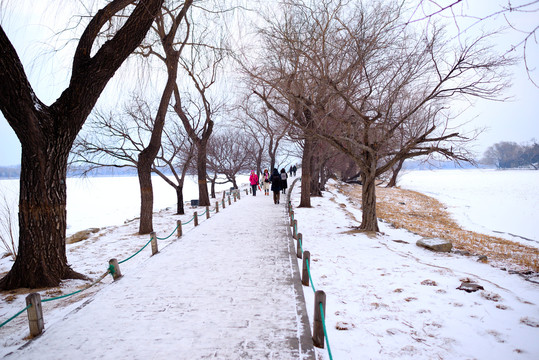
(427, 217)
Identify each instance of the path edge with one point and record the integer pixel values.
(305, 339)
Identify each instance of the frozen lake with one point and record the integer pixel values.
(493, 202)
(503, 203)
(107, 201)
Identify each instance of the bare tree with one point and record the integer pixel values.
(249, 124)
(268, 123)
(116, 140)
(228, 156)
(47, 133)
(359, 79)
(508, 154)
(166, 28)
(197, 109)
(280, 79)
(181, 153)
(530, 154)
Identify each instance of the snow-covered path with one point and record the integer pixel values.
(227, 289)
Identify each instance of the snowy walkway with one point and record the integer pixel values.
(228, 289)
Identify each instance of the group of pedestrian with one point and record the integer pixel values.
(277, 182)
(293, 170)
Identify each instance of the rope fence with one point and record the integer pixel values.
(33, 300)
(319, 319)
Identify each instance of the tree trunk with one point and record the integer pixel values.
(395, 174)
(259, 162)
(369, 221)
(179, 199)
(323, 176)
(147, 156)
(41, 259)
(350, 171)
(315, 175)
(144, 167)
(203, 196)
(305, 197)
(212, 186)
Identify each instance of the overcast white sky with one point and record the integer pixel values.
(30, 30)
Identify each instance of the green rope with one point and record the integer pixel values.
(185, 223)
(309, 272)
(300, 244)
(62, 296)
(14, 316)
(112, 269)
(136, 252)
(86, 288)
(172, 233)
(325, 331)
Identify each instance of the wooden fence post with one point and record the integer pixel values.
(179, 224)
(207, 212)
(117, 273)
(35, 314)
(223, 203)
(217, 206)
(195, 217)
(305, 268)
(295, 230)
(318, 326)
(234, 196)
(155, 250)
(291, 218)
(299, 246)
(228, 199)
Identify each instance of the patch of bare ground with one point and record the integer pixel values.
(427, 217)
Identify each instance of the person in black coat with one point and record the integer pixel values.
(284, 183)
(276, 185)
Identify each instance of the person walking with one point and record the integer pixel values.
(284, 183)
(276, 185)
(266, 182)
(291, 170)
(294, 169)
(253, 180)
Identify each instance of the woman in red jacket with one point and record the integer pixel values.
(253, 180)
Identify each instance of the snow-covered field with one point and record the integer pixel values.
(386, 297)
(105, 201)
(394, 300)
(503, 203)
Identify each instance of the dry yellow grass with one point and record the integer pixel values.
(427, 217)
